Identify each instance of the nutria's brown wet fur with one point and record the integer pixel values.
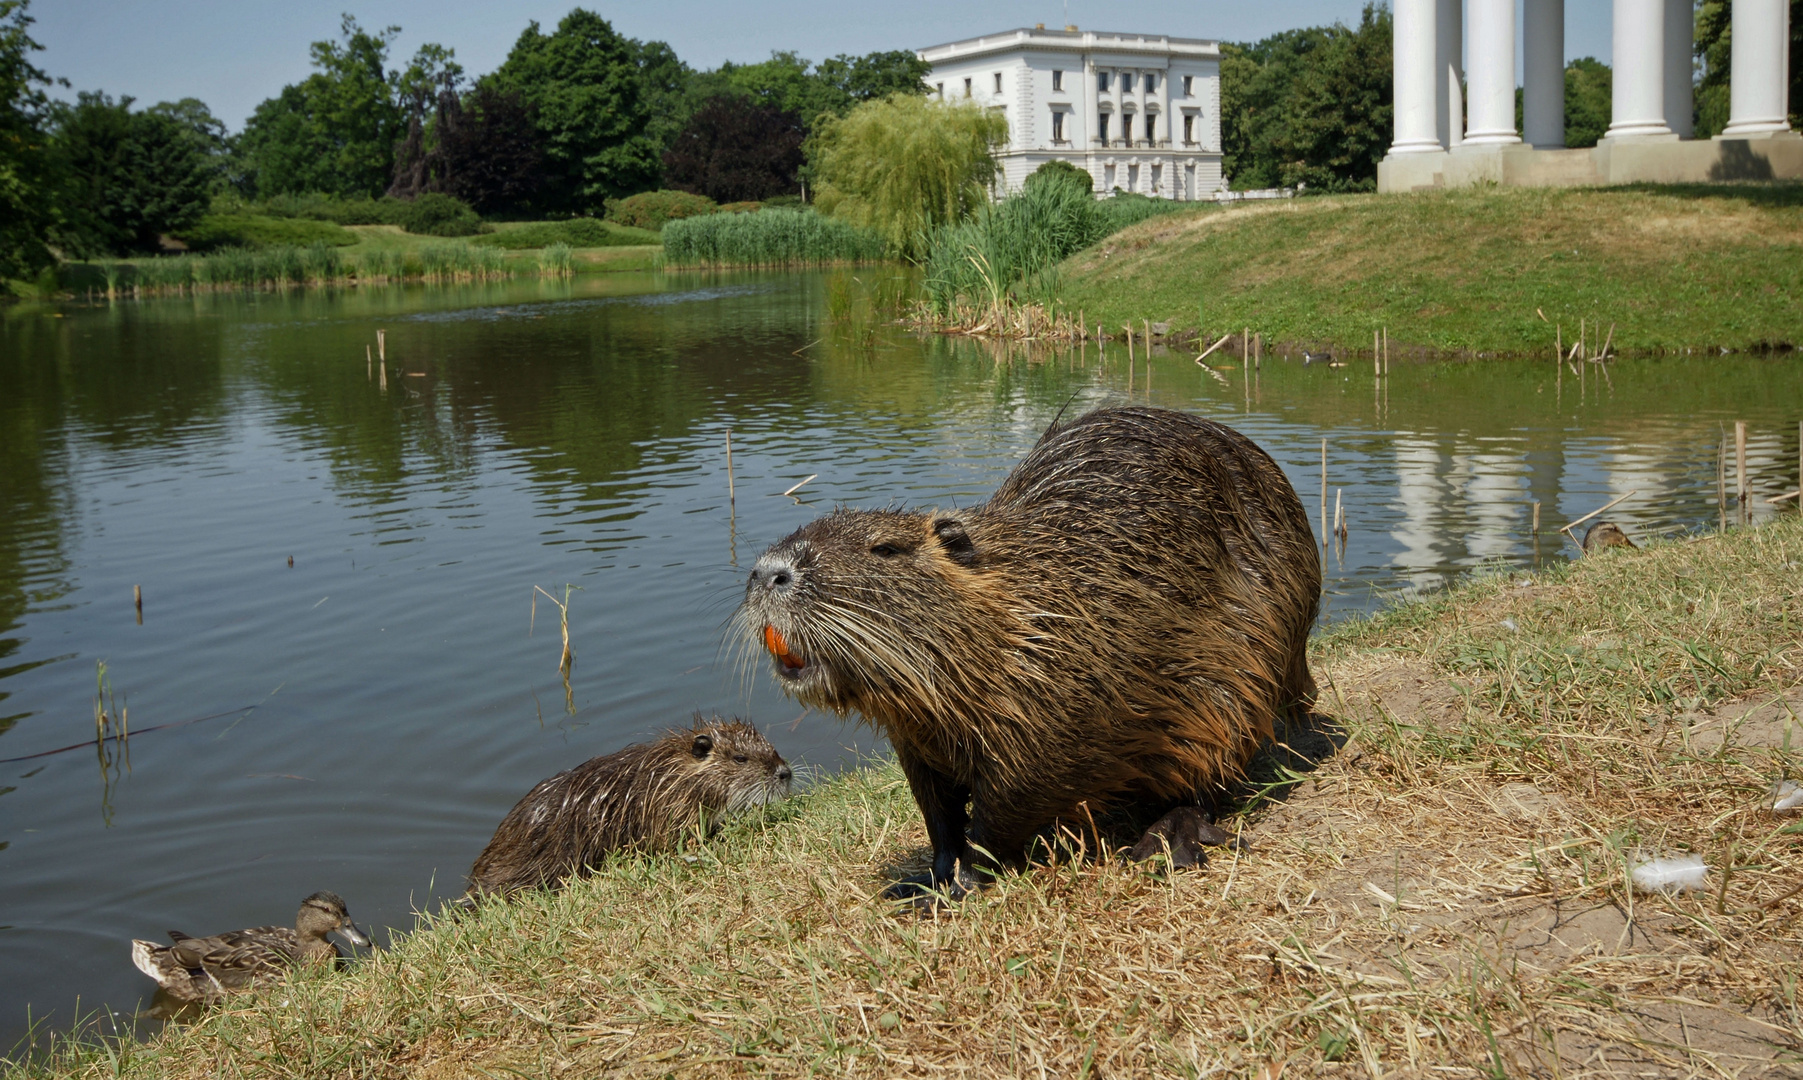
(1603, 535)
(1123, 619)
(641, 798)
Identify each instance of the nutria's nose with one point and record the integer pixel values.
(783, 773)
(773, 572)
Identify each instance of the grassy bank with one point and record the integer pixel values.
(1446, 895)
(1471, 270)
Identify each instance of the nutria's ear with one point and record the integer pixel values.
(955, 541)
(704, 744)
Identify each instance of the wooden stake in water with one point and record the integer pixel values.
(382, 345)
(731, 495)
(1128, 330)
(369, 364)
(1258, 351)
(137, 601)
(1536, 525)
(1386, 350)
(1339, 517)
(1324, 491)
(1743, 511)
(1721, 485)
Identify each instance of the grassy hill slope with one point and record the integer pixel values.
(1473, 270)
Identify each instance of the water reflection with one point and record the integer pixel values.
(372, 708)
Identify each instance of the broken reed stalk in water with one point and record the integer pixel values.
(1721, 484)
(1570, 525)
(563, 608)
(1536, 526)
(797, 485)
(137, 601)
(1324, 491)
(731, 495)
(111, 721)
(1339, 517)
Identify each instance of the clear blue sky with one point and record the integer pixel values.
(234, 53)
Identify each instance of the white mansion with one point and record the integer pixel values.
(1137, 112)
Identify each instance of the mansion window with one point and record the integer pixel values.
(998, 82)
(941, 89)
(1151, 83)
(966, 87)
(1057, 79)
(1126, 82)
(1186, 84)
(1102, 127)
(1102, 81)
(1057, 126)
(1151, 128)
(1189, 129)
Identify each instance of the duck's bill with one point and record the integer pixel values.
(353, 934)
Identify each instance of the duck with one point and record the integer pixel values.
(1605, 534)
(1322, 357)
(203, 969)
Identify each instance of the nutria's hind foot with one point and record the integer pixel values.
(924, 893)
(1183, 834)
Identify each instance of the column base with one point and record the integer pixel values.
(1631, 135)
(1760, 133)
(1411, 171)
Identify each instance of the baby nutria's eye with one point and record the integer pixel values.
(885, 551)
(740, 758)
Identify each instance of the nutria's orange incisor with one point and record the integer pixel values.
(641, 798)
(1125, 618)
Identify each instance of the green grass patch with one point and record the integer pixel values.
(1476, 270)
(1513, 743)
(768, 238)
(574, 233)
(216, 231)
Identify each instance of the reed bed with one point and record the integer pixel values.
(1447, 895)
(768, 238)
(289, 267)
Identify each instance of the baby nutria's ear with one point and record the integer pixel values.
(955, 541)
(704, 744)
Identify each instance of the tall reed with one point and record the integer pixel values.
(772, 237)
(315, 264)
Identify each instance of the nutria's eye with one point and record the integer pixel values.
(955, 541)
(885, 551)
(703, 744)
(740, 758)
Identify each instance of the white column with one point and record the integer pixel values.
(1759, 73)
(1449, 71)
(1087, 127)
(1413, 56)
(1120, 111)
(1543, 72)
(1638, 108)
(1490, 73)
(1166, 121)
(1680, 36)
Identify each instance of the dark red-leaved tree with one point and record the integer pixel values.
(483, 149)
(734, 149)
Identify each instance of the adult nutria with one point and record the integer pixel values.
(198, 969)
(1605, 534)
(1124, 619)
(640, 798)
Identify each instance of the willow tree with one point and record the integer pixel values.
(906, 165)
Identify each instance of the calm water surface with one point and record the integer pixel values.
(366, 716)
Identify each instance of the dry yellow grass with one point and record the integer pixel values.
(1445, 896)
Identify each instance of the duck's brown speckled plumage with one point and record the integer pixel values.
(197, 969)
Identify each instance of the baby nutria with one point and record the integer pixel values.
(642, 798)
(1124, 619)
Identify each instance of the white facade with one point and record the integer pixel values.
(1138, 112)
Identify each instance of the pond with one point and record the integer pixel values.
(361, 717)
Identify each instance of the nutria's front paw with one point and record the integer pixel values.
(1184, 832)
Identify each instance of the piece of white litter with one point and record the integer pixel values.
(1509, 625)
(1787, 797)
(1680, 873)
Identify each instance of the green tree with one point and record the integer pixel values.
(124, 177)
(1309, 106)
(906, 164)
(335, 131)
(586, 87)
(1588, 97)
(24, 162)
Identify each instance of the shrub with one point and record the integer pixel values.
(433, 214)
(261, 231)
(652, 209)
(576, 232)
(768, 238)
